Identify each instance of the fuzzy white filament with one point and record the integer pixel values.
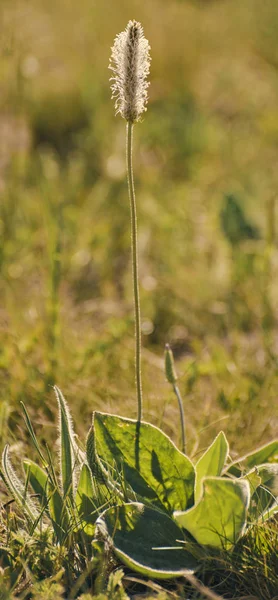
(130, 63)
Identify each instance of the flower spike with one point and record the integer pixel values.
(130, 64)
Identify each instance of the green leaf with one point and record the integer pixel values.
(84, 499)
(253, 479)
(69, 451)
(50, 497)
(17, 488)
(219, 518)
(149, 461)
(58, 512)
(146, 540)
(115, 588)
(38, 479)
(267, 491)
(269, 476)
(269, 513)
(100, 477)
(265, 454)
(92, 458)
(211, 463)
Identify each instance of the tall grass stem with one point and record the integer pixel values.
(134, 251)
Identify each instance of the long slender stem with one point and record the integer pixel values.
(182, 420)
(134, 250)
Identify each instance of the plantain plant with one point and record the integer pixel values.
(147, 501)
(182, 509)
(131, 488)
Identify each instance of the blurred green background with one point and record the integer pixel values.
(205, 162)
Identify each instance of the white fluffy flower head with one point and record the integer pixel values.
(130, 63)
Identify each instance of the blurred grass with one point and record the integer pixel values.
(208, 288)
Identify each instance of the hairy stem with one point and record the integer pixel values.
(134, 251)
(183, 442)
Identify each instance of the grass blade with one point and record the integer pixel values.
(32, 433)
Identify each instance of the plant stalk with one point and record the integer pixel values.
(134, 251)
(183, 439)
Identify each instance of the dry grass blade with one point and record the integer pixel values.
(200, 587)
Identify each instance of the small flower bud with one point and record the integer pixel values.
(130, 63)
(170, 371)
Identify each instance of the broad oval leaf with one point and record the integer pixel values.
(219, 518)
(149, 461)
(146, 540)
(211, 463)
